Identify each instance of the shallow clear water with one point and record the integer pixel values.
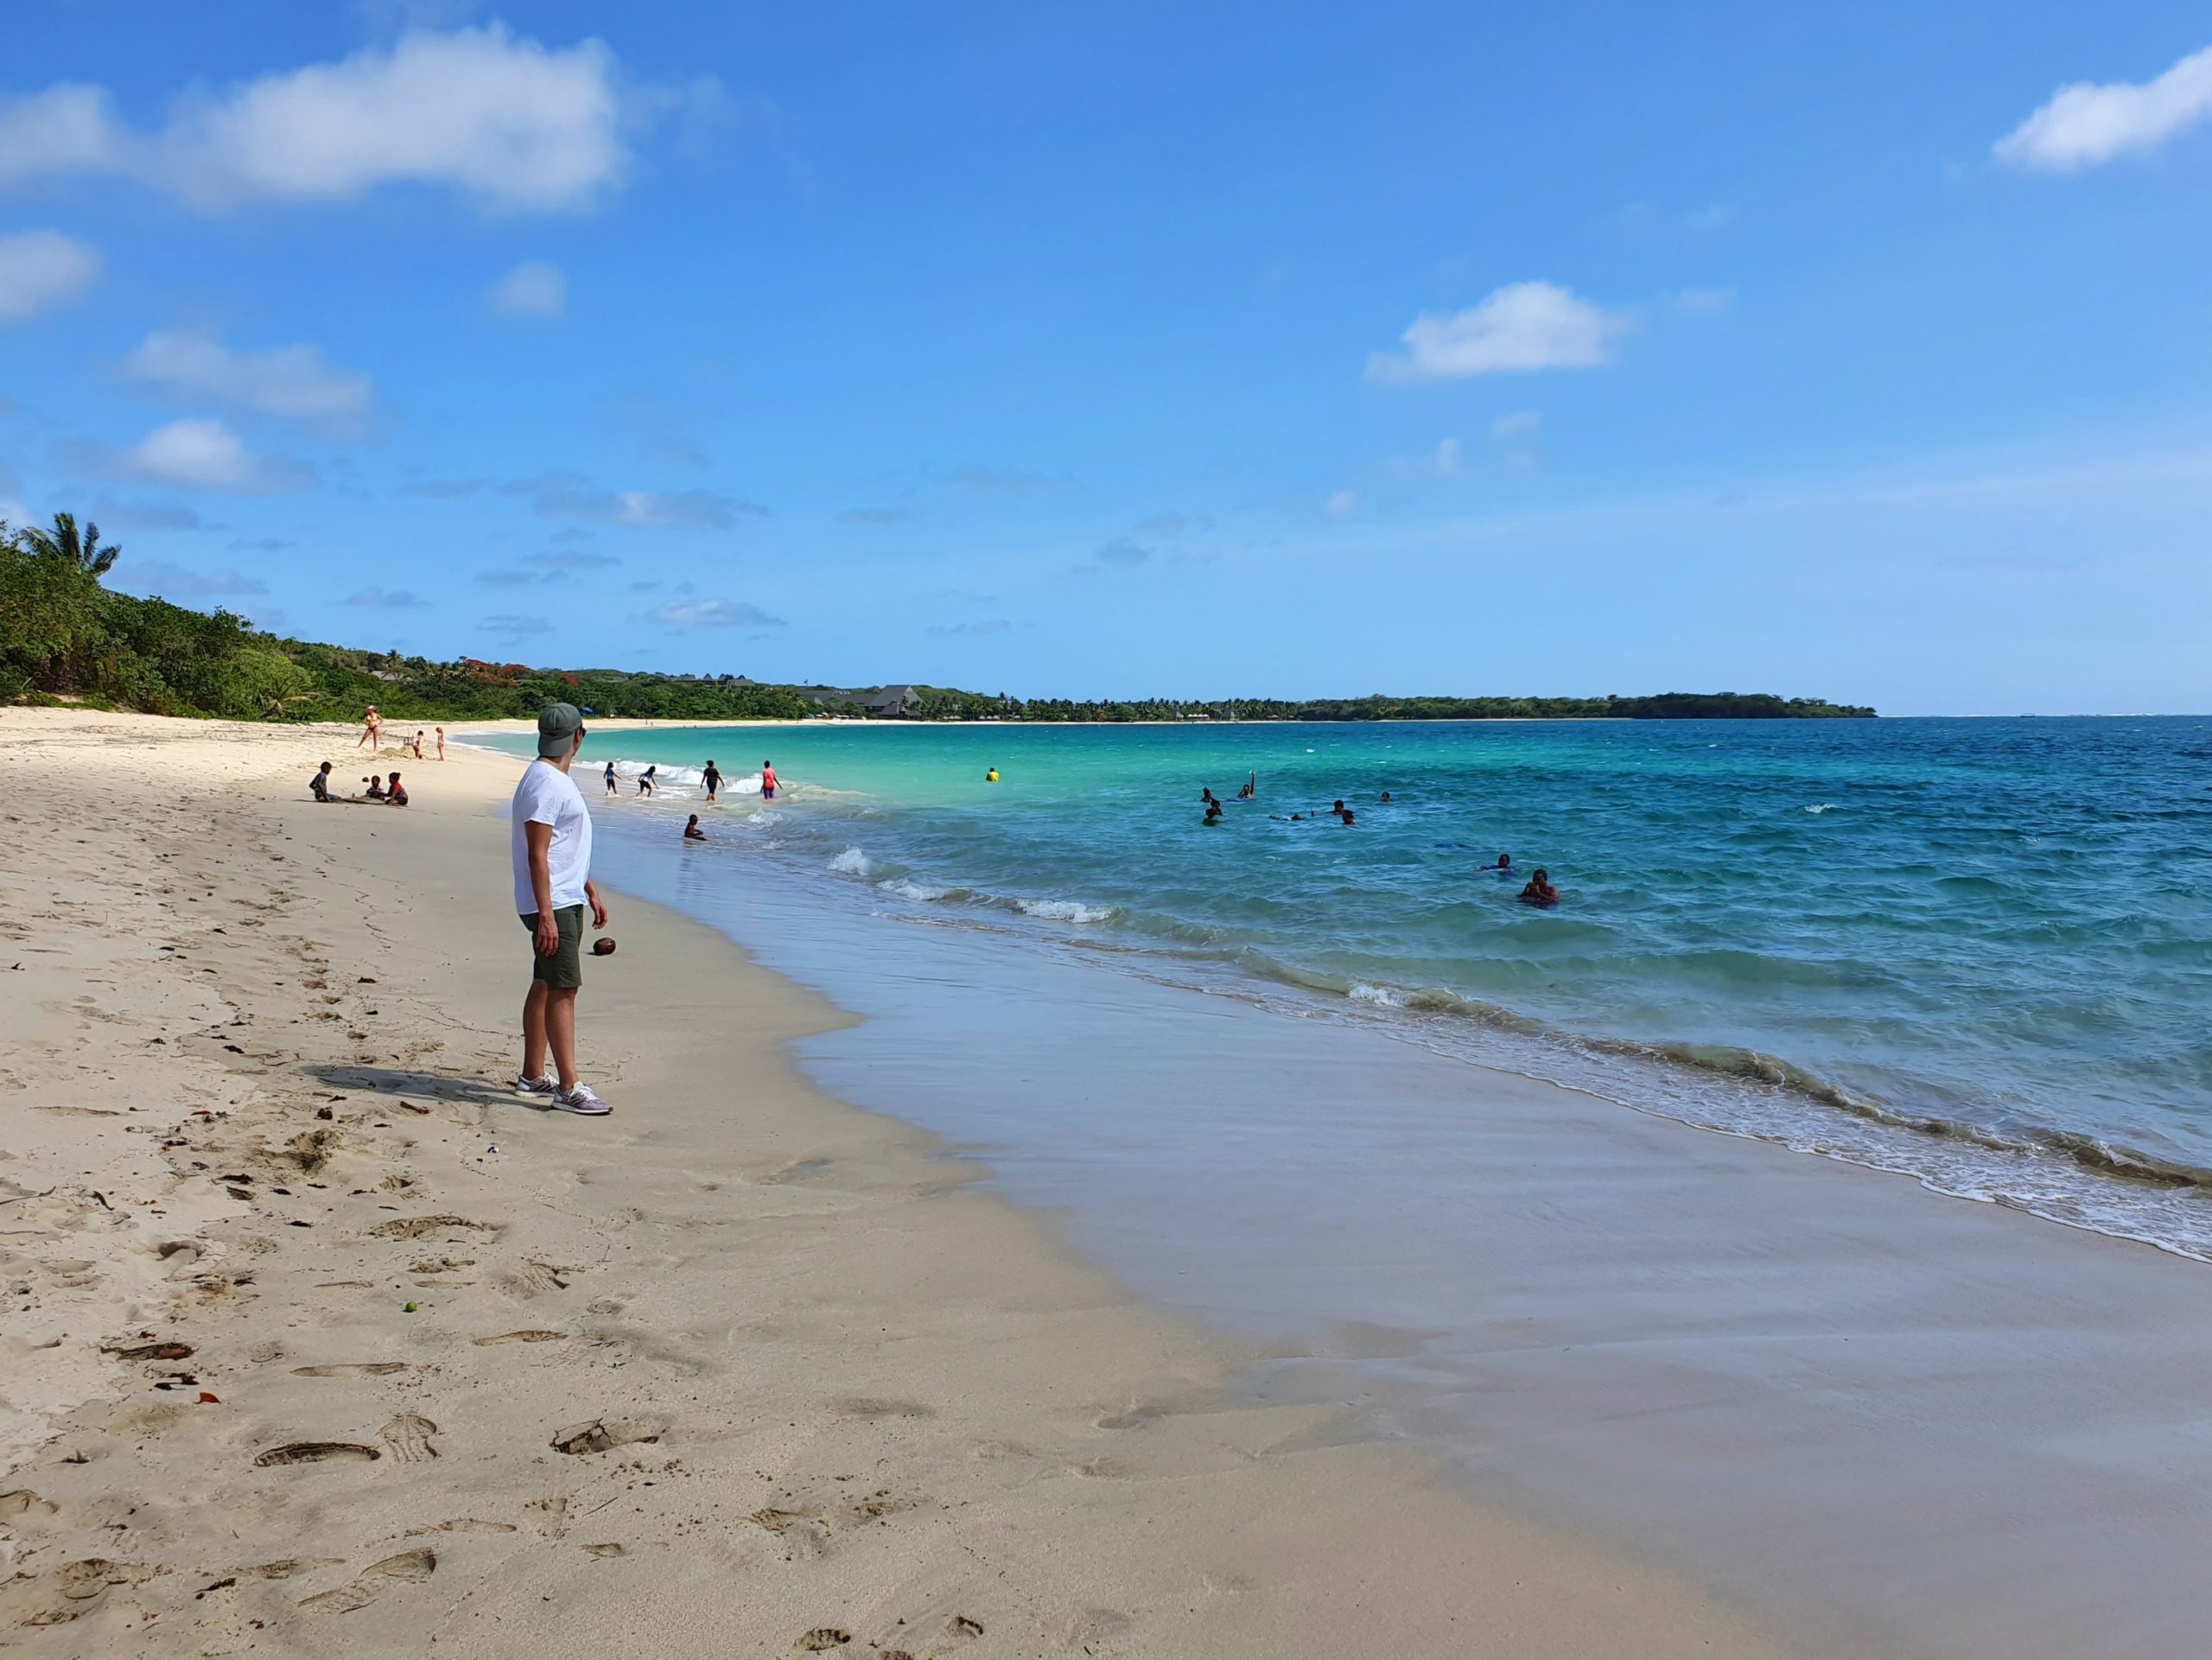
(1979, 951)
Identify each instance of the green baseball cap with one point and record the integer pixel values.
(558, 726)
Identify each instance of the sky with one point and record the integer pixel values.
(1860, 351)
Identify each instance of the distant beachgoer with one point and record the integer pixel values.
(692, 830)
(1540, 890)
(418, 746)
(441, 743)
(1386, 795)
(991, 777)
(767, 781)
(1504, 865)
(1213, 811)
(1206, 795)
(1336, 806)
(1346, 814)
(1251, 788)
(375, 791)
(319, 786)
(611, 789)
(371, 731)
(645, 778)
(396, 795)
(714, 780)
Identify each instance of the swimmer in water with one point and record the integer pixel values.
(1213, 813)
(991, 777)
(1540, 890)
(767, 781)
(1386, 795)
(1503, 866)
(610, 777)
(1251, 788)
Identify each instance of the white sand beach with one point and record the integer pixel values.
(317, 1340)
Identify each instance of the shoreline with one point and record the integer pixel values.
(810, 1383)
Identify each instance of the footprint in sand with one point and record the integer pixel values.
(531, 1336)
(318, 1453)
(414, 1227)
(409, 1435)
(604, 1550)
(823, 1639)
(69, 1592)
(602, 1436)
(352, 1369)
(463, 1525)
(409, 1567)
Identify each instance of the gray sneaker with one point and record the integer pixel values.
(580, 1099)
(548, 1085)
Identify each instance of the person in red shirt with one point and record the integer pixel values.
(767, 781)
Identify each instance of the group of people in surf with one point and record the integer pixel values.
(1539, 892)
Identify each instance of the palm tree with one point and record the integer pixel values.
(62, 542)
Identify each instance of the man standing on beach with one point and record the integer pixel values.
(550, 841)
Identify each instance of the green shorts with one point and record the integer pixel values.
(565, 969)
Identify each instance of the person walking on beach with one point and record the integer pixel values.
(714, 781)
(550, 842)
(646, 780)
(371, 731)
(767, 781)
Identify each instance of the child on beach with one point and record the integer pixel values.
(396, 795)
(418, 746)
(610, 779)
(1540, 890)
(714, 781)
(767, 781)
(692, 830)
(375, 791)
(441, 743)
(319, 786)
(646, 780)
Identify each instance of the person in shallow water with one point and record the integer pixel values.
(767, 781)
(1540, 890)
(1213, 811)
(1503, 866)
(1206, 795)
(991, 777)
(645, 778)
(610, 777)
(1251, 788)
(713, 780)
(692, 830)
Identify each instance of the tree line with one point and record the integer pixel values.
(65, 635)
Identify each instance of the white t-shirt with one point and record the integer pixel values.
(548, 796)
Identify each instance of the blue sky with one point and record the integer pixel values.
(1230, 349)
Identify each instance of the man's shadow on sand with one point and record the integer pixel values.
(398, 1081)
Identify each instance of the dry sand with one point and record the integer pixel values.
(316, 1338)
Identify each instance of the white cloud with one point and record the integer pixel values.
(500, 118)
(194, 455)
(714, 613)
(1714, 216)
(42, 268)
(532, 289)
(2086, 123)
(1447, 459)
(289, 381)
(1517, 328)
(377, 599)
(1343, 505)
(1704, 303)
(1519, 424)
(564, 495)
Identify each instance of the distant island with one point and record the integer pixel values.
(64, 636)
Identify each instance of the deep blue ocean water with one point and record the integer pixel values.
(1976, 951)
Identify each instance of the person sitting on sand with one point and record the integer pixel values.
(319, 786)
(767, 781)
(1251, 788)
(375, 791)
(692, 830)
(645, 778)
(1540, 890)
(396, 795)
(610, 779)
(713, 778)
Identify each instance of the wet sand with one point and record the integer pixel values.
(316, 1337)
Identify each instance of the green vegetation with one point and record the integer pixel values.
(64, 635)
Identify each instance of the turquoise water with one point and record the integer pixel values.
(1976, 951)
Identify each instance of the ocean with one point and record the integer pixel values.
(1978, 953)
